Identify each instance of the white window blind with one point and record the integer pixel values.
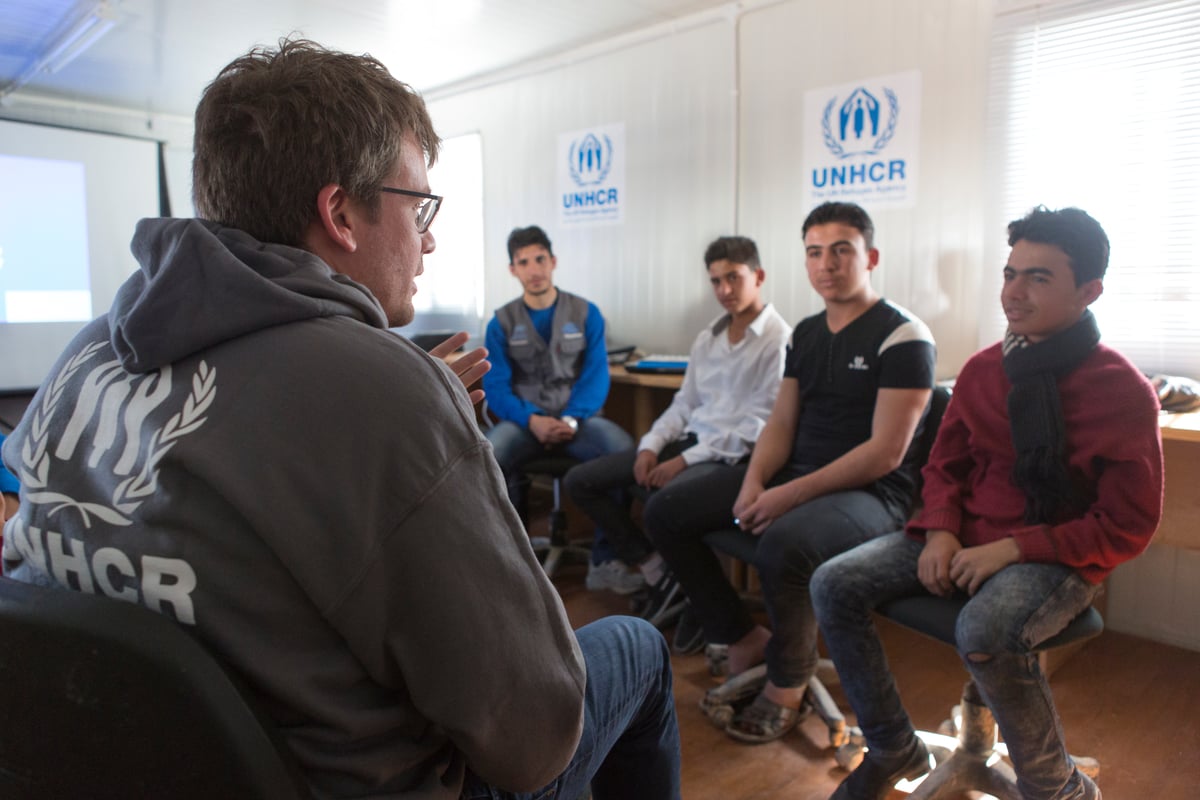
(1097, 105)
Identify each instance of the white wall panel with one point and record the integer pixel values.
(676, 97)
(680, 97)
(1155, 596)
(931, 253)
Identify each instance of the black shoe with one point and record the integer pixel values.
(876, 776)
(664, 603)
(689, 633)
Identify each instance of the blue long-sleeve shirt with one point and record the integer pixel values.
(587, 394)
(8, 482)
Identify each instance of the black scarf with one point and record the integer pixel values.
(1035, 414)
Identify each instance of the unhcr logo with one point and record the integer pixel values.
(589, 159)
(859, 128)
(591, 174)
(857, 143)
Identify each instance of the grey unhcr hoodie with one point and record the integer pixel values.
(241, 444)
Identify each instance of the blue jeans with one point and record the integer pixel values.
(789, 550)
(513, 446)
(630, 744)
(1016, 609)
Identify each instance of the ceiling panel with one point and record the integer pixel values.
(161, 53)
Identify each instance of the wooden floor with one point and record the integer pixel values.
(1128, 702)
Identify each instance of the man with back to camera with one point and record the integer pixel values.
(733, 373)
(1045, 475)
(548, 382)
(833, 467)
(363, 571)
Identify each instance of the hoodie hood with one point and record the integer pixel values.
(201, 284)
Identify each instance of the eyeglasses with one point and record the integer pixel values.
(425, 211)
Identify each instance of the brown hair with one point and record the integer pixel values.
(850, 214)
(524, 237)
(736, 249)
(278, 125)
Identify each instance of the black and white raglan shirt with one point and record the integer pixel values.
(840, 375)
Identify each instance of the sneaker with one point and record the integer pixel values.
(1090, 791)
(664, 603)
(613, 576)
(689, 633)
(716, 656)
(874, 778)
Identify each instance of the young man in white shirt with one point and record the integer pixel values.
(734, 369)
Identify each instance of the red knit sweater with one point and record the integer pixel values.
(1113, 439)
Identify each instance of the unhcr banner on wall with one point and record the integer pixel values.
(861, 141)
(591, 175)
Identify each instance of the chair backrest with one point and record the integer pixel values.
(933, 420)
(101, 698)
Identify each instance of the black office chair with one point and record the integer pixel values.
(105, 699)
(557, 546)
(970, 765)
(741, 545)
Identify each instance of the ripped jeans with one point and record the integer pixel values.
(1019, 607)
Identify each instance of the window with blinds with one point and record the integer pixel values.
(1097, 104)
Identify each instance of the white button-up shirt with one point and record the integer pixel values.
(728, 390)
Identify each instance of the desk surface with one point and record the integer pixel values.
(1180, 427)
(618, 374)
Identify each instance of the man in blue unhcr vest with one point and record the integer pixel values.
(548, 382)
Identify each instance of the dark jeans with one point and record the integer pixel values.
(630, 744)
(514, 446)
(599, 488)
(1019, 607)
(788, 552)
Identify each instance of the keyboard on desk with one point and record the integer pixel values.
(659, 363)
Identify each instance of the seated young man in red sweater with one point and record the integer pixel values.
(1046, 474)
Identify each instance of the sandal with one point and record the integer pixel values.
(762, 721)
(721, 703)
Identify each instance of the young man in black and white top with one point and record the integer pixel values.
(832, 468)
